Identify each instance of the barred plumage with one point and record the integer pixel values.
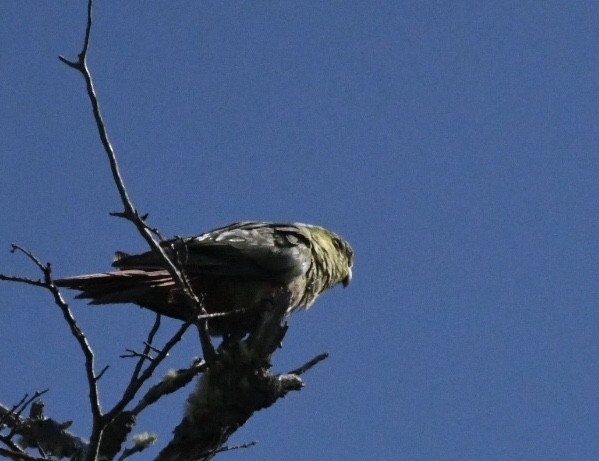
(238, 267)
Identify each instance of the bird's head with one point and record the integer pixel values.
(333, 255)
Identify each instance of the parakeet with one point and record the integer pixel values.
(235, 269)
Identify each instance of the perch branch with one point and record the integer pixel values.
(233, 388)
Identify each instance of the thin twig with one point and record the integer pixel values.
(215, 452)
(17, 409)
(236, 447)
(153, 230)
(83, 345)
(306, 366)
(138, 355)
(99, 375)
(26, 280)
(13, 410)
(216, 315)
(14, 248)
(19, 455)
(135, 385)
(148, 348)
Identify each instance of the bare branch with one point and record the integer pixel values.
(76, 331)
(14, 248)
(130, 213)
(19, 279)
(26, 280)
(83, 345)
(17, 248)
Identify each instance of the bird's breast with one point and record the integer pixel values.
(242, 299)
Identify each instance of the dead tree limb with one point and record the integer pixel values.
(238, 384)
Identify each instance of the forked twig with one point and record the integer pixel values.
(48, 283)
(145, 354)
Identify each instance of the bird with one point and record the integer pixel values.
(236, 270)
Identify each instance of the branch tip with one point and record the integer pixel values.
(311, 363)
(99, 375)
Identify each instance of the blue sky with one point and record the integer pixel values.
(454, 144)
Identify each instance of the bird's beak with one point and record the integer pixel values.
(347, 279)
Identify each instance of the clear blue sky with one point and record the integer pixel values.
(454, 144)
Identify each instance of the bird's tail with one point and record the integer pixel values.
(125, 286)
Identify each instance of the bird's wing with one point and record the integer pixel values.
(247, 249)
